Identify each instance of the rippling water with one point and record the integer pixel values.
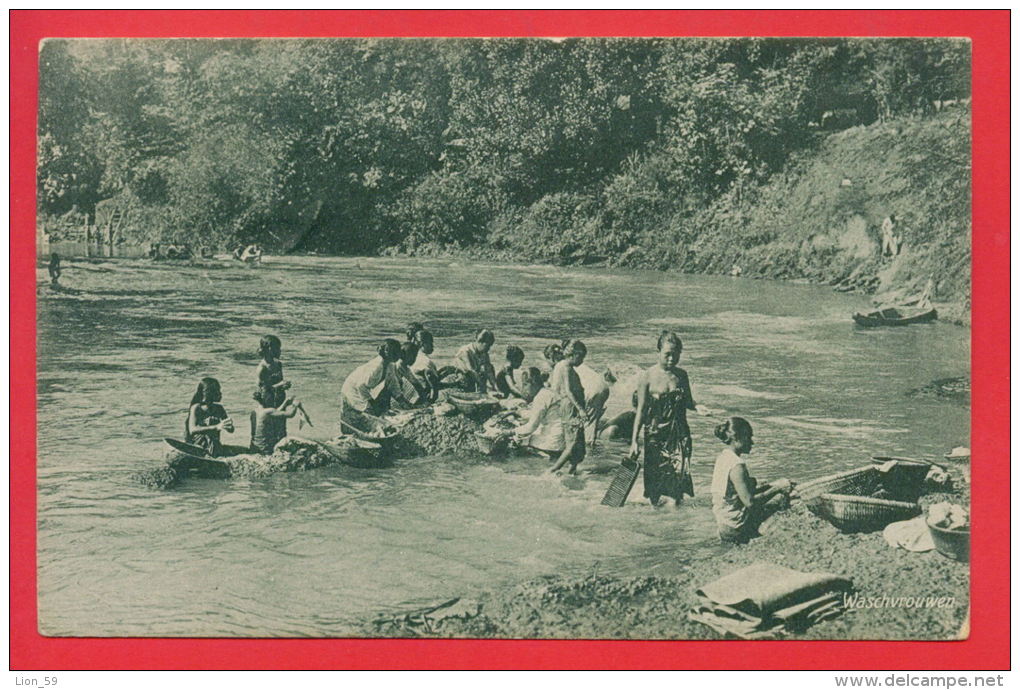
(312, 554)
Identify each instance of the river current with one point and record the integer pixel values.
(318, 553)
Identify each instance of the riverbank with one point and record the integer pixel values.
(819, 221)
(596, 607)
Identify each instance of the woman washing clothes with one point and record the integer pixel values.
(543, 432)
(663, 399)
(367, 390)
(473, 363)
(740, 503)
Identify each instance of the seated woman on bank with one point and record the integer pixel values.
(740, 504)
(207, 418)
(473, 364)
(367, 390)
(508, 381)
(543, 432)
(269, 419)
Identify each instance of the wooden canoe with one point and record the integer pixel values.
(197, 462)
(891, 316)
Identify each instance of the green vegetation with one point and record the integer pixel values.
(687, 154)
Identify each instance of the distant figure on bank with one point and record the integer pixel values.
(207, 418)
(269, 372)
(736, 271)
(663, 399)
(508, 381)
(739, 503)
(54, 269)
(269, 419)
(543, 432)
(566, 388)
(890, 243)
(473, 364)
(252, 254)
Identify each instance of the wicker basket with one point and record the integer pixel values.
(904, 481)
(473, 404)
(952, 543)
(861, 513)
(492, 445)
(862, 481)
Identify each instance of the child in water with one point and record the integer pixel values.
(269, 421)
(423, 368)
(566, 387)
(269, 373)
(740, 504)
(207, 418)
(506, 381)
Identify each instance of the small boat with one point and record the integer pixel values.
(891, 316)
(197, 462)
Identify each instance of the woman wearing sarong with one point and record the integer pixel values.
(663, 399)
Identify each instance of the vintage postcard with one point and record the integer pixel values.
(601, 338)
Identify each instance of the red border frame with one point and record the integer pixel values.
(988, 646)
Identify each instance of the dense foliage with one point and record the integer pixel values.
(561, 150)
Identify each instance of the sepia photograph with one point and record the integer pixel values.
(504, 338)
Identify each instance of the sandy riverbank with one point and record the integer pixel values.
(656, 607)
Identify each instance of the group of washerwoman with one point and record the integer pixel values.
(560, 403)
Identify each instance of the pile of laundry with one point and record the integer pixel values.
(764, 600)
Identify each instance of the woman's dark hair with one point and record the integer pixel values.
(514, 355)
(669, 337)
(207, 388)
(728, 431)
(265, 396)
(485, 336)
(532, 376)
(553, 352)
(267, 345)
(573, 346)
(389, 350)
(413, 329)
(409, 352)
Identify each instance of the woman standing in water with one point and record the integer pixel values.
(663, 398)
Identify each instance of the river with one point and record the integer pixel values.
(316, 553)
